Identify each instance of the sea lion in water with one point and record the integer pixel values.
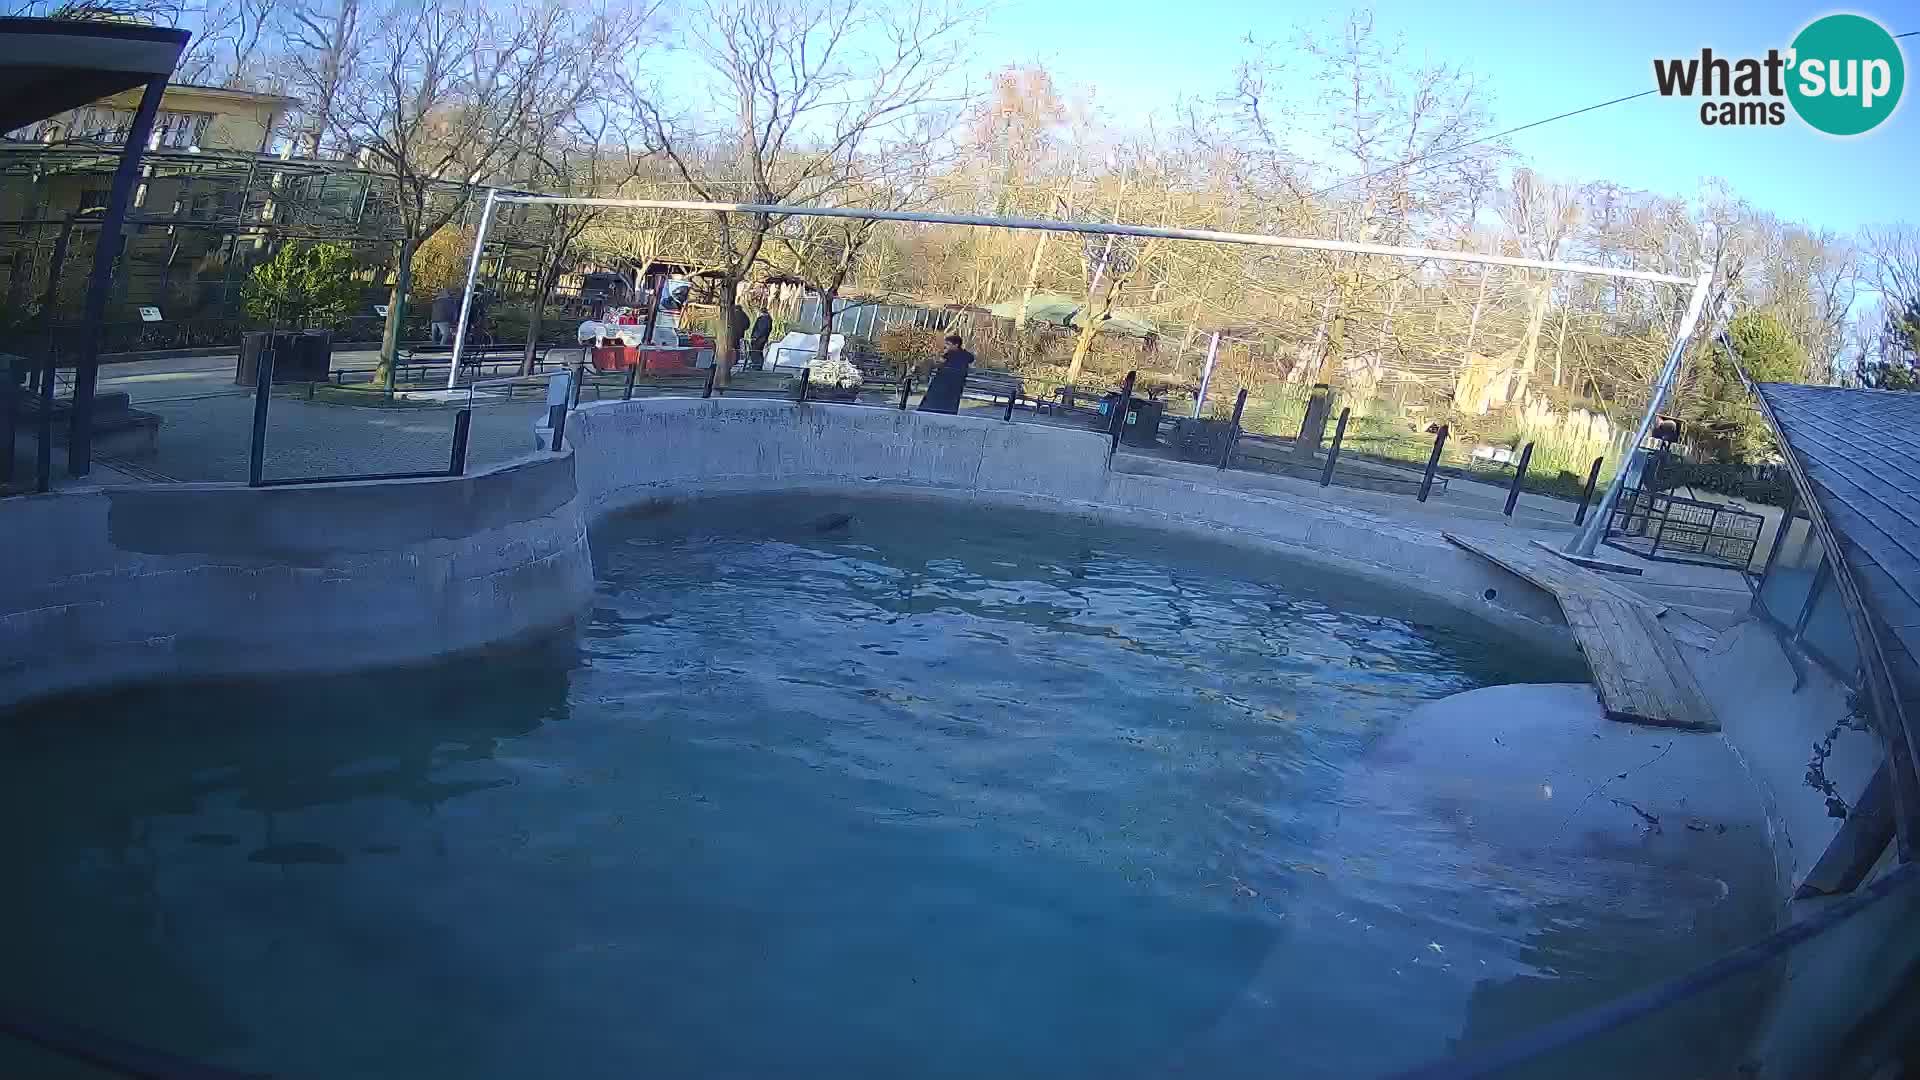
(833, 523)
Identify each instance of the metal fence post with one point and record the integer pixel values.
(806, 378)
(1519, 477)
(1333, 452)
(1120, 408)
(10, 395)
(557, 423)
(1433, 462)
(43, 463)
(262, 395)
(580, 381)
(1233, 427)
(626, 393)
(462, 422)
(1593, 477)
(708, 391)
(906, 390)
(1011, 396)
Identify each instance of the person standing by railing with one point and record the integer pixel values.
(757, 337)
(446, 312)
(949, 379)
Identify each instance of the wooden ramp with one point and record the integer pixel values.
(1636, 666)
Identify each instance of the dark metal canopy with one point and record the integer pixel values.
(48, 66)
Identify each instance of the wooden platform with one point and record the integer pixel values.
(1637, 667)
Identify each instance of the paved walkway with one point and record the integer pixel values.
(207, 424)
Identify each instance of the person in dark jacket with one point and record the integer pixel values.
(737, 330)
(949, 379)
(757, 340)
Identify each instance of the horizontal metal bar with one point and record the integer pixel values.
(517, 380)
(292, 481)
(1613, 1015)
(1101, 228)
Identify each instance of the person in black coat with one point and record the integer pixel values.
(949, 379)
(757, 337)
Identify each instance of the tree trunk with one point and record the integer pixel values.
(1090, 325)
(1537, 297)
(1033, 278)
(396, 316)
(1332, 360)
(827, 300)
(1473, 323)
(1559, 348)
(725, 345)
(543, 285)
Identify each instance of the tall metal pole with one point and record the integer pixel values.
(1206, 374)
(466, 300)
(106, 252)
(1587, 540)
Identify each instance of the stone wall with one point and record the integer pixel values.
(112, 585)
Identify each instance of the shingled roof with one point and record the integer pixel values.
(1860, 450)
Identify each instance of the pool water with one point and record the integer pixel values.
(820, 788)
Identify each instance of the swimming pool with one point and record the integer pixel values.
(824, 787)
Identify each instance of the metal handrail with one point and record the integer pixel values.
(1622, 1011)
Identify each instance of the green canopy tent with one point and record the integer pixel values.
(1056, 310)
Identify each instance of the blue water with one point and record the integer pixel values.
(860, 789)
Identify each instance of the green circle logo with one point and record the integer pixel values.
(1847, 74)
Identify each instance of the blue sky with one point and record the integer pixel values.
(1537, 59)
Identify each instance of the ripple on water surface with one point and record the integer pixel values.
(881, 789)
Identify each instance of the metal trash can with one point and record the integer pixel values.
(311, 361)
(252, 344)
(297, 357)
(1143, 422)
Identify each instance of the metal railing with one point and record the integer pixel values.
(257, 452)
(1668, 528)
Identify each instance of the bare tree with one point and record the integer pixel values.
(596, 152)
(322, 41)
(1540, 218)
(800, 89)
(444, 92)
(824, 252)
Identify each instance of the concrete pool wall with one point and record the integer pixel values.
(112, 585)
(636, 452)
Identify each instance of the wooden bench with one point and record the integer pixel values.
(1067, 399)
(995, 386)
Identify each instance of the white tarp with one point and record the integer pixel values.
(798, 350)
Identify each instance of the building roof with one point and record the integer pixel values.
(1860, 450)
(48, 66)
(228, 91)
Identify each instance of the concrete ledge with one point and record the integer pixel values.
(635, 452)
(112, 585)
(193, 580)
